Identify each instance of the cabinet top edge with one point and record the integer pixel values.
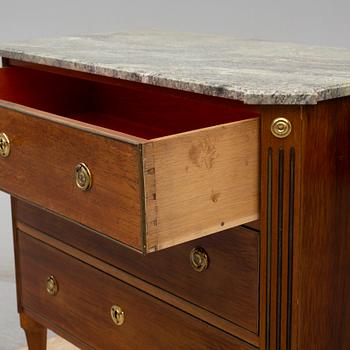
(252, 71)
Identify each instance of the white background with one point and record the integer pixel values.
(320, 22)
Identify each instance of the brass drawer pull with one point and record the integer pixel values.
(199, 259)
(117, 315)
(5, 146)
(51, 286)
(83, 177)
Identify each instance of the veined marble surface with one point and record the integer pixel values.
(256, 72)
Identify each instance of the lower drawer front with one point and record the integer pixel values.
(229, 287)
(85, 295)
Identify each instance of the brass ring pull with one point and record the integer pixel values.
(199, 259)
(51, 286)
(5, 146)
(117, 315)
(83, 177)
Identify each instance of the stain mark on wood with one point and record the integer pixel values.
(203, 153)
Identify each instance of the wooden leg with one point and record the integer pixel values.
(36, 334)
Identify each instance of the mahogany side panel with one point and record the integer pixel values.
(305, 259)
(324, 297)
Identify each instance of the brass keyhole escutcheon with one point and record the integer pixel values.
(51, 286)
(5, 146)
(117, 315)
(199, 259)
(281, 127)
(83, 177)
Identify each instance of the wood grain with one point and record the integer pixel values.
(36, 334)
(324, 303)
(228, 289)
(161, 192)
(41, 166)
(150, 289)
(201, 182)
(308, 308)
(280, 222)
(81, 309)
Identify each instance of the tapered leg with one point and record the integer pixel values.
(36, 334)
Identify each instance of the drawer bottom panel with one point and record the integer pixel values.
(85, 295)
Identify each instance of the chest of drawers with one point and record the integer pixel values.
(181, 192)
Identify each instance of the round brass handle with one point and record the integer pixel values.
(5, 146)
(118, 315)
(83, 177)
(51, 286)
(199, 259)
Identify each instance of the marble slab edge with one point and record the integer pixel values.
(245, 96)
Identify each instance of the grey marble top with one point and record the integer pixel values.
(256, 72)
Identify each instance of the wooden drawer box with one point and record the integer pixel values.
(84, 297)
(228, 287)
(165, 167)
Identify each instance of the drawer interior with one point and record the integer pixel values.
(137, 109)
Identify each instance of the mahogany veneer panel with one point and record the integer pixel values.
(228, 288)
(85, 296)
(324, 289)
(41, 168)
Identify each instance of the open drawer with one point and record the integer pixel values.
(147, 166)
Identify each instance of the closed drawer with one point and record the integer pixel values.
(164, 168)
(219, 273)
(227, 286)
(82, 301)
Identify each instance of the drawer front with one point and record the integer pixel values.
(229, 287)
(148, 193)
(41, 166)
(83, 298)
